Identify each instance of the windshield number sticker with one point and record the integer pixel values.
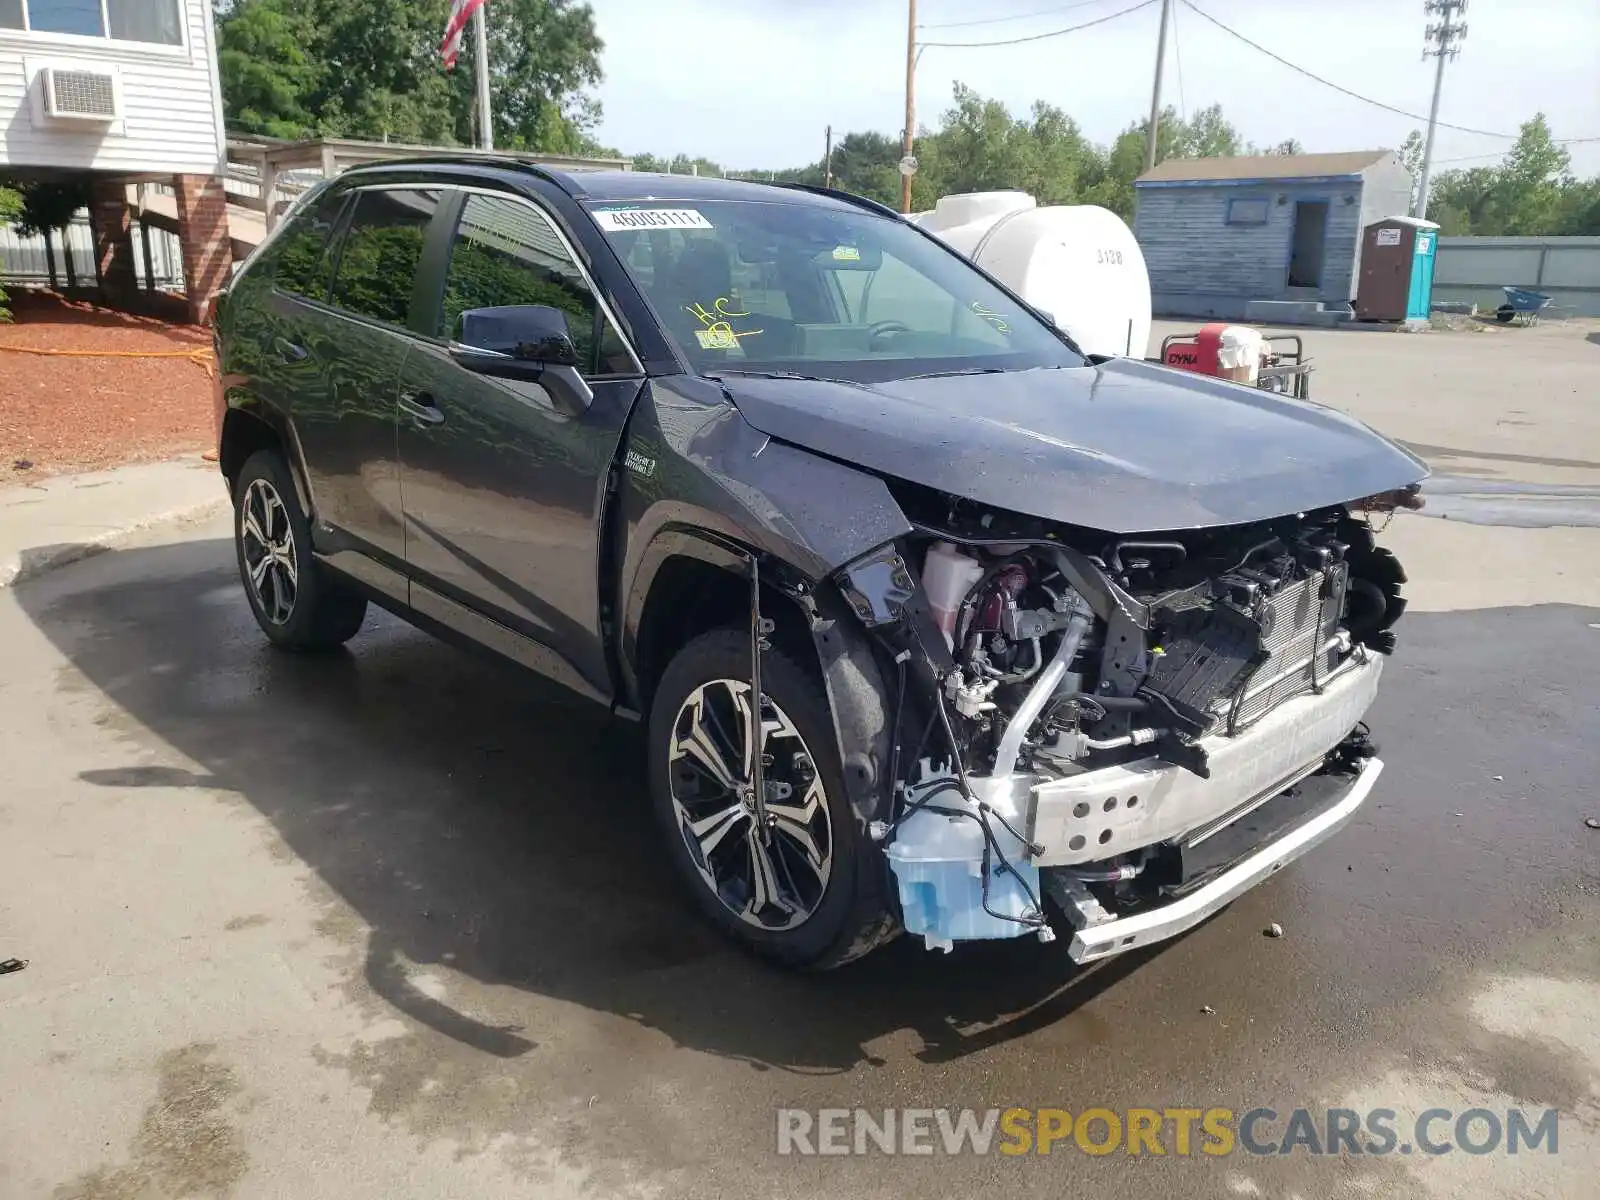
(627, 220)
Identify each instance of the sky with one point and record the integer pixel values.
(753, 83)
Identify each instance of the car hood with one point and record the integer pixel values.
(1123, 446)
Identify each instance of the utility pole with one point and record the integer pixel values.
(1443, 41)
(1155, 91)
(480, 44)
(911, 104)
(827, 158)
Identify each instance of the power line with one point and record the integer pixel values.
(1039, 37)
(1472, 157)
(1510, 137)
(1502, 153)
(1043, 12)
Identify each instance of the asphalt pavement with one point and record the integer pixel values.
(394, 923)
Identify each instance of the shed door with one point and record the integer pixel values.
(1310, 237)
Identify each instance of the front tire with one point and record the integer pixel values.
(296, 602)
(813, 892)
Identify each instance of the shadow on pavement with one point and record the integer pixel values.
(475, 819)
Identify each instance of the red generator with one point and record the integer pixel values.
(1239, 353)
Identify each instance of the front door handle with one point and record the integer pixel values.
(288, 351)
(420, 407)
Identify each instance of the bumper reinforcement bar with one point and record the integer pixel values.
(1098, 935)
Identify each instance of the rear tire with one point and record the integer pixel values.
(298, 603)
(819, 898)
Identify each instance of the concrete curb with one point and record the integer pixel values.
(31, 564)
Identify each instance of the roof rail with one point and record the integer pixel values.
(840, 194)
(491, 158)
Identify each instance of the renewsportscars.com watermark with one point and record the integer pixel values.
(1214, 1132)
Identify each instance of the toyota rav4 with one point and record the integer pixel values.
(934, 623)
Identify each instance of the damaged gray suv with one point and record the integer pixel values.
(935, 624)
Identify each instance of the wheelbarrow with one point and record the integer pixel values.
(1521, 304)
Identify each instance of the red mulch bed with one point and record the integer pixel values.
(77, 414)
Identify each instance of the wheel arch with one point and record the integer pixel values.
(249, 426)
(690, 580)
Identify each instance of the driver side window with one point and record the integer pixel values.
(504, 253)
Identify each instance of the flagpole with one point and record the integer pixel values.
(480, 38)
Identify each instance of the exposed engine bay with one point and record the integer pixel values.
(1205, 633)
(1084, 688)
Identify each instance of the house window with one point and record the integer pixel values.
(1247, 211)
(126, 20)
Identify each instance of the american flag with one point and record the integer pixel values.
(460, 13)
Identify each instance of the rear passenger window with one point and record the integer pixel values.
(303, 264)
(381, 249)
(506, 252)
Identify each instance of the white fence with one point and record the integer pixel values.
(23, 262)
(1474, 269)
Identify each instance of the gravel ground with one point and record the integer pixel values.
(75, 414)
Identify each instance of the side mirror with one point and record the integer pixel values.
(524, 341)
(534, 333)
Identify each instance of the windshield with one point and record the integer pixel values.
(784, 288)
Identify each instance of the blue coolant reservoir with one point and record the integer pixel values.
(938, 866)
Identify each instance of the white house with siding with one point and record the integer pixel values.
(119, 92)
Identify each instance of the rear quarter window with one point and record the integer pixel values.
(381, 251)
(300, 263)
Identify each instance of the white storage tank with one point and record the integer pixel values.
(1080, 263)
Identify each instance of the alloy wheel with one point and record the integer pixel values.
(771, 874)
(267, 541)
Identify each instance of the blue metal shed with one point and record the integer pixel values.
(1218, 233)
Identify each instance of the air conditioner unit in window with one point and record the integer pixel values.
(80, 94)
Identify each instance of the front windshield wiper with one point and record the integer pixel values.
(772, 375)
(962, 371)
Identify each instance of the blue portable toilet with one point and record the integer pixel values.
(1397, 256)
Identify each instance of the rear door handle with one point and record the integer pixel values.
(420, 407)
(288, 351)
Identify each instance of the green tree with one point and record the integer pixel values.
(864, 163)
(1580, 209)
(267, 75)
(981, 148)
(1532, 179)
(1460, 200)
(1065, 156)
(371, 69)
(1207, 134)
(545, 56)
(979, 145)
(1411, 152)
(1532, 192)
